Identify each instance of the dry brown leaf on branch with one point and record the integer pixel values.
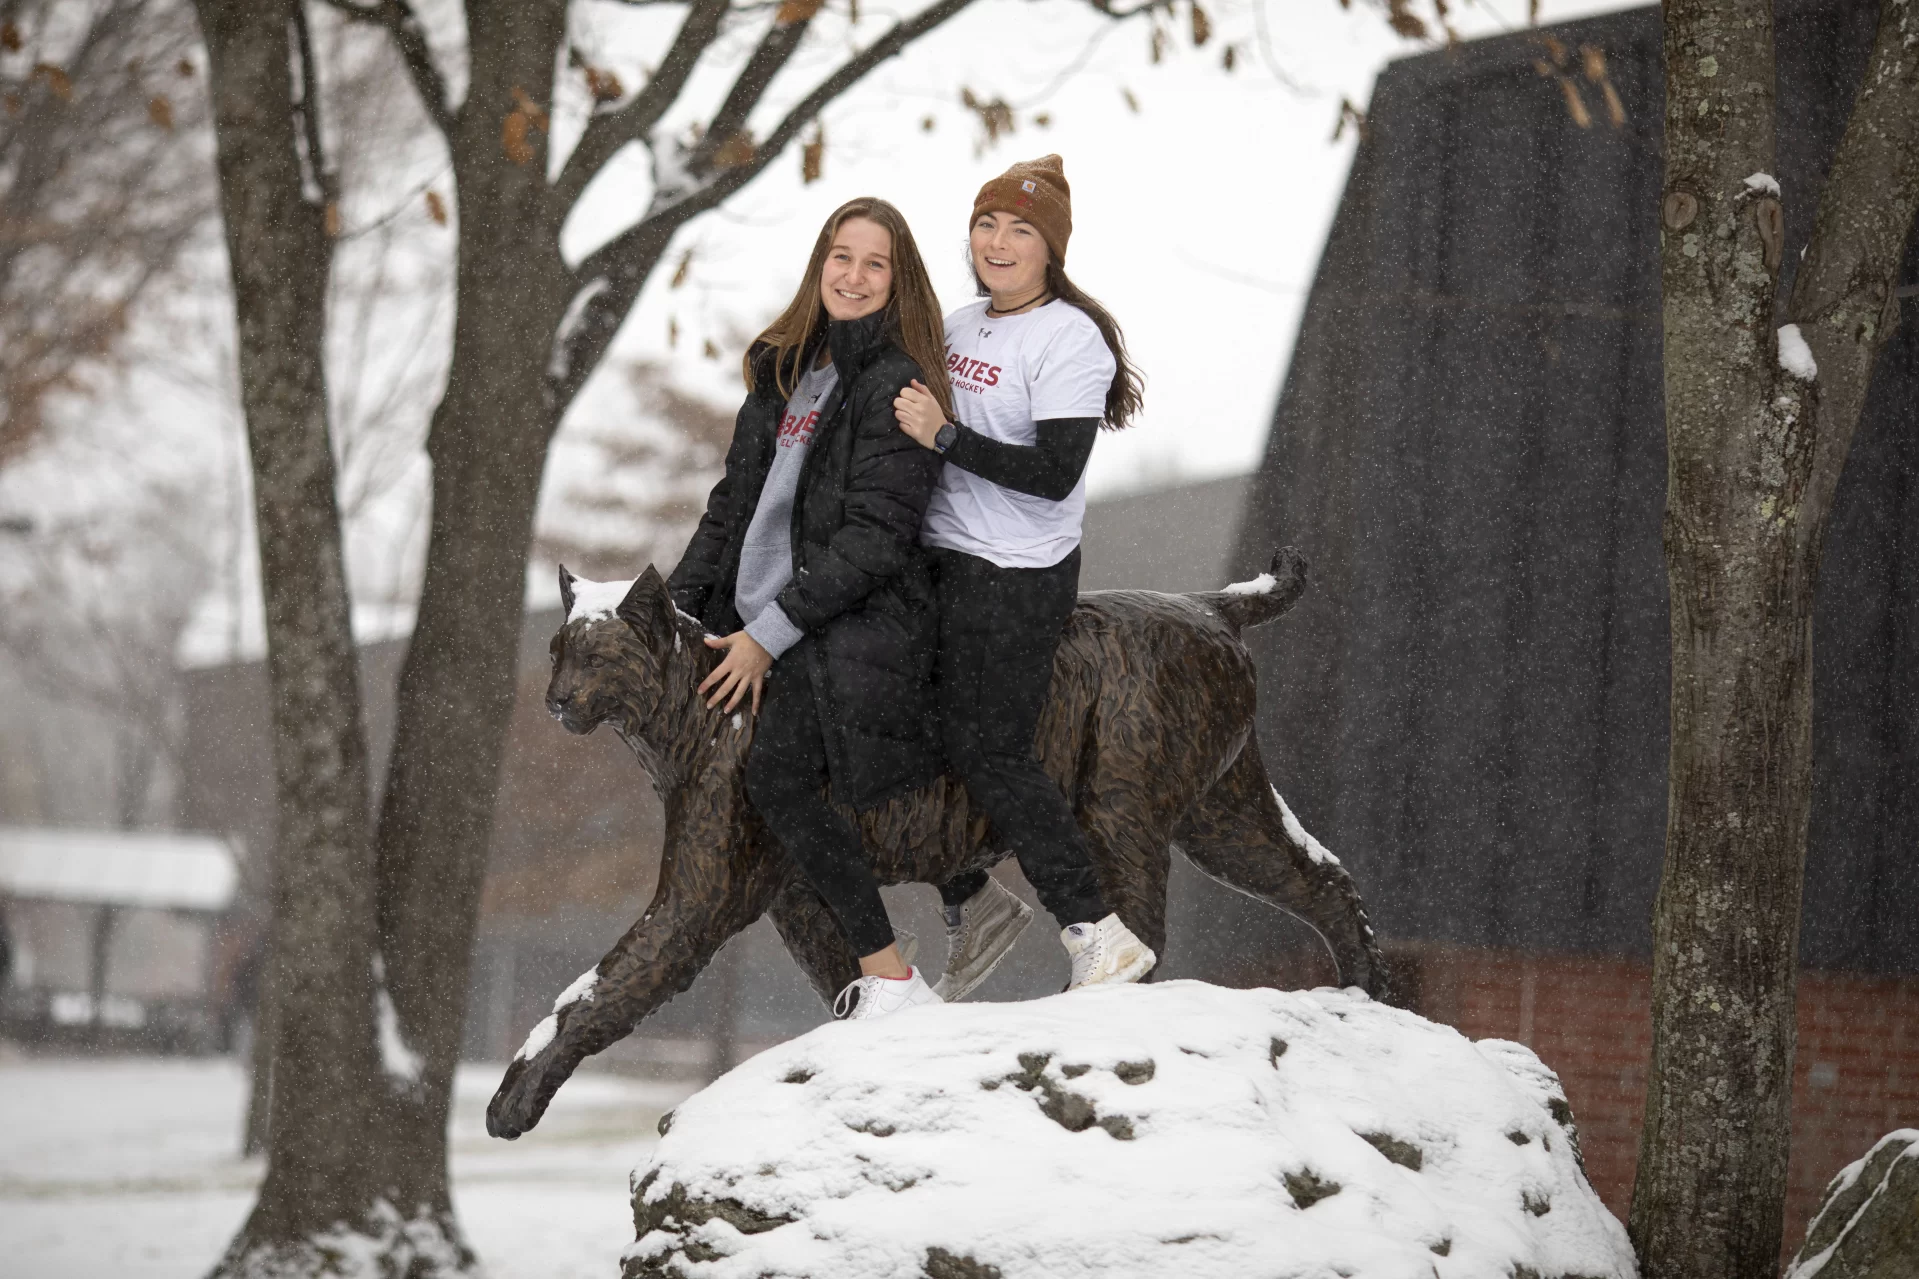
(1593, 59)
(160, 111)
(1556, 49)
(57, 82)
(853, 11)
(529, 108)
(603, 85)
(735, 151)
(1404, 21)
(1230, 58)
(926, 125)
(1202, 26)
(1132, 103)
(995, 115)
(681, 271)
(1044, 119)
(792, 11)
(513, 140)
(1156, 43)
(672, 331)
(1349, 114)
(10, 38)
(436, 208)
(813, 157)
(711, 351)
(1575, 104)
(184, 68)
(1615, 109)
(332, 220)
(1532, 13)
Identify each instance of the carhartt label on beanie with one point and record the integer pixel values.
(1035, 190)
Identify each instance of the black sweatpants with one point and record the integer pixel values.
(999, 628)
(786, 779)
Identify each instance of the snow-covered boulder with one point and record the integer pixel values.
(1177, 1129)
(1867, 1227)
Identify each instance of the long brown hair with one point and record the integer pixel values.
(1128, 390)
(912, 309)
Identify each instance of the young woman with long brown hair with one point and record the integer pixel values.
(807, 569)
(1037, 368)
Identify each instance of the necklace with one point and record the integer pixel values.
(1044, 297)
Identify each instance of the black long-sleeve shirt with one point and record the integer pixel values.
(1049, 468)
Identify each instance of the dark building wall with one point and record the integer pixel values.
(1470, 704)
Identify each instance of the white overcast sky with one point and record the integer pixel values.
(1198, 219)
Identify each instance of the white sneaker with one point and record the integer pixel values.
(1105, 953)
(883, 996)
(991, 920)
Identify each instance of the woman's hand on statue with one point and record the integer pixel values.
(744, 667)
(919, 413)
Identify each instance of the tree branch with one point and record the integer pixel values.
(611, 278)
(318, 172)
(771, 54)
(1843, 298)
(397, 18)
(608, 131)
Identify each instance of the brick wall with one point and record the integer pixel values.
(1855, 1077)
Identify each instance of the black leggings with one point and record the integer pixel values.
(999, 628)
(786, 780)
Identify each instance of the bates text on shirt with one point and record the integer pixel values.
(798, 430)
(975, 371)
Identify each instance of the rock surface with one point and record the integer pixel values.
(1867, 1227)
(1177, 1129)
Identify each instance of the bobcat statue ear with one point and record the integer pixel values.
(648, 606)
(566, 593)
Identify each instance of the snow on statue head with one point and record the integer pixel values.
(611, 654)
(1149, 725)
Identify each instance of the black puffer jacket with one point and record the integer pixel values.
(860, 589)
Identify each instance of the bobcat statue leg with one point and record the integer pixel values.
(701, 901)
(1238, 834)
(813, 937)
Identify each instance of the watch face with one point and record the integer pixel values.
(944, 437)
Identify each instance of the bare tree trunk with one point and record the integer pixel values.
(1755, 441)
(253, 1137)
(488, 446)
(99, 960)
(324, 1108)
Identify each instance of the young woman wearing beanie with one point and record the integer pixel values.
(807, 561)
(1037, 367)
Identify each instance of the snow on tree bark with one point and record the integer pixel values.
(1754, 451)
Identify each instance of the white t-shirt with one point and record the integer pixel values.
(1009, 374)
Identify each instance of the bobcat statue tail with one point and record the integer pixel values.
(1259, 601)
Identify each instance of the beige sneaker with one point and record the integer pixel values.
(882, 996)
(991, 920)
(1105, 953)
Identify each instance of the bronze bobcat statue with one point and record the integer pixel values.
(1149, 729)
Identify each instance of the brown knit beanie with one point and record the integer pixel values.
(1035, 190)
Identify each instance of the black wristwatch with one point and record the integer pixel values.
(945, 438)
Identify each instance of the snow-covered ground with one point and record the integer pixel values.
(128, 1167)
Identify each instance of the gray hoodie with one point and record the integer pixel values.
(766, 557)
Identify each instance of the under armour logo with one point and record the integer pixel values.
(986, 333)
